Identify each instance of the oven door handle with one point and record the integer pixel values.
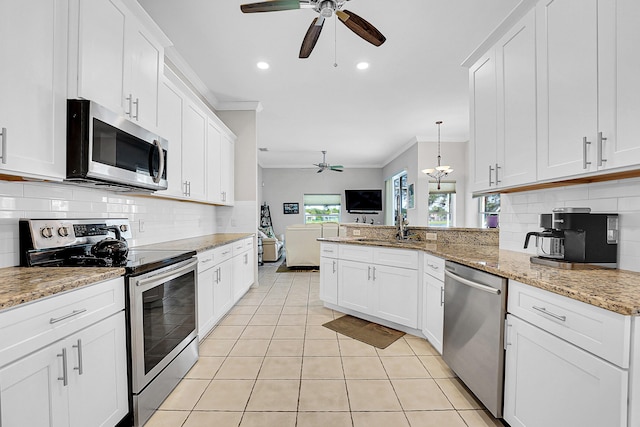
(169, 274)
(475, 285)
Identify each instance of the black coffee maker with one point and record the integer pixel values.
(587, 238)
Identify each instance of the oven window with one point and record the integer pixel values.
(169, 316)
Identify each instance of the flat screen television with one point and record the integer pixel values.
(363, 200)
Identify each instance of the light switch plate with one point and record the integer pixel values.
(431, 236)
(356, 232)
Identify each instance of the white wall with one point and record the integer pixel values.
(423, 155)
(519, 213)
(162, 219)
(290, 185)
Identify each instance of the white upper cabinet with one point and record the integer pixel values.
(214, 163)
(33, 83)
(119, 62)
(227, 160)
(503, 110)
(194, 140)
(170, 107)
(483, 114)
(568, 86)
(619, 68)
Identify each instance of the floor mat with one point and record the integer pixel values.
(362, 330)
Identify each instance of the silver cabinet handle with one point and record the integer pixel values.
(497, 179)
(475, 285)
(490, 181)
(585, 149)
(79, 347)
(219, 274)
(137, 104)
(130, 100)
(601, 140)
(4, 146)
(369, 273)
(543, 310)
(205, 261)
(441, 296)
(334, 266)
(433, 266)
(246, 258)
(64, 378)
(374, 274)
(66, 316)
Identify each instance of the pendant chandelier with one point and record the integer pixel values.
(440, 171)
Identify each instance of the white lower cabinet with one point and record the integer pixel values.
(550, 382)
(329, 272)
(383, 291)
(78, 381)
(243, 269)
(215, 287)
(433, 311)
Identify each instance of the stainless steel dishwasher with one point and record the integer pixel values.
(474, 314)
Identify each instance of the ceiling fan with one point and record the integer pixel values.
(323, 166)
(326, 9)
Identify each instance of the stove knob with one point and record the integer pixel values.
(63, 231)
(124, 228)
(46, 232)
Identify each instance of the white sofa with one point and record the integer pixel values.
(302, 247)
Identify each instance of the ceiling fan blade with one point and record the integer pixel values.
(361, 27)
(337, 170)
(337, 167)
(310, 39)
(270, 6)
(320, 170)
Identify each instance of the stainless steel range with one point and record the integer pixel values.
(161, 297)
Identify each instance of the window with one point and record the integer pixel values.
(488, 205)
(322, 208)
(400, 183)
(442, 203)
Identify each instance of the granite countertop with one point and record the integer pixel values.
(614, 290)
(19, 285)
(198, 244)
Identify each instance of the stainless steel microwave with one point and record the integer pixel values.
(106, 150)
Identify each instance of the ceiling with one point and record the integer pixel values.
(362, 118)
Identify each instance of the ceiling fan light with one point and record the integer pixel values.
(263, 65)
(362, 65)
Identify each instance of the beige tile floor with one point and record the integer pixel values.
(270, 362)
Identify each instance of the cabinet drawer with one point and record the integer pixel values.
(601, 332)
(238, 247)
(329, 250)
(434, 266)
(248, 243)
(29, 327)
(355, 253)
(403, 258)
(222, 253)
(205, 260)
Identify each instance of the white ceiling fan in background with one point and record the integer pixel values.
(323, 166)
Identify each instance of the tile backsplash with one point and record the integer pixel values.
(519, 213)
(152, 219)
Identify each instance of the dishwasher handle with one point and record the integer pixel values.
(472, 284)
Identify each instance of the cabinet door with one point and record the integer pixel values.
(144, 60)
(31, 393)
(516, 75)
(227, 157)
(214, 164)
(170, 106)
(206, 301)
(574, 387)
(33, 86)
(238, 276)
(223, 290)
(356, 288)
(97, 366)
(396, 294)
(329, 280)
(619, 114)
(483, 114)
(194, 138)
(433, 311)
(567, 32)
(101, 56)
(248, 269)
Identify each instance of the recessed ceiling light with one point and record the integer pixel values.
(362, 65)
(262, 65)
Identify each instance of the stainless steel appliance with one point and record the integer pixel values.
(575, 237)
(104, 149)
(161, 298)
(475, 305)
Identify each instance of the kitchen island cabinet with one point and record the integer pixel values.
(33, 84)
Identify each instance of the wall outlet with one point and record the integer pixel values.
(356, 232)
(141, 226)
(431, 236)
